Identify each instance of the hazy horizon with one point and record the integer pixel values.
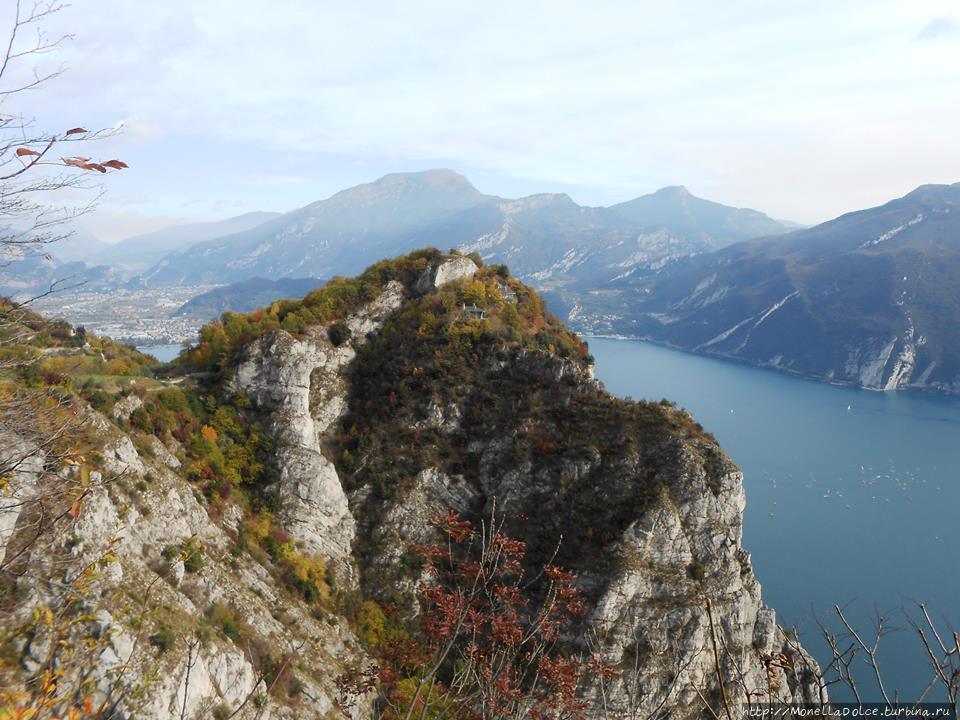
(171, 223)
(802, 112)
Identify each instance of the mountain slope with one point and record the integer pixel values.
(340, 235)
(870, 298)
(141, 251)
(245, 296)
(547, 238)
(251, 523)
(718, 225)
(439, 410)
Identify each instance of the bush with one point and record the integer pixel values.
(339, 333)
(697, 571)
(163, 639)
(371, 625)
(226, 618)
(100, 401)
(193, 559)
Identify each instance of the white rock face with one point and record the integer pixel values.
(299, 383)
(125, 407)
(651, 585)
(453, 268)
(233, 677)
(163, 453)
(27, 470)
(122, 458)
(656, 603)
(134, 583)
(408, 522)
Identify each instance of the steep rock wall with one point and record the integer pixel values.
(650, 585)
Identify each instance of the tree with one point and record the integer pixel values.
(35, 164)
(44, 480)
(487, 644)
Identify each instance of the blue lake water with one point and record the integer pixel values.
(852, 496)
(164, 353)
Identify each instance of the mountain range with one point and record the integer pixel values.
(868, 298)
(871, 298)
(546, 238)
(140, 252)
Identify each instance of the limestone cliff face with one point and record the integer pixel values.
(651, 582)
(651, 572)
(134, 508)
(647, 506)
(298, 383)
(671, 562)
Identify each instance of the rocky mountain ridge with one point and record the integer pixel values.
(444, 387)
(545, 237)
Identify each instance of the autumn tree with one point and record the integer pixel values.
(43, 477)
(489, 641)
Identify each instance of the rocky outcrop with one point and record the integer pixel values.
(672, 562)
(297, 383)
(300, 384)
(647, 506)
(22, 467)
(654, 575)
(125, 407)
(445, 271)
(124, 528)
(658, 578)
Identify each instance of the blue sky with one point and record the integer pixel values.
(803, 110)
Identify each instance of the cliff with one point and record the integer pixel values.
(239, 528)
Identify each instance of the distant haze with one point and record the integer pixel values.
(805, 110)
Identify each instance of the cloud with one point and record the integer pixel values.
(791, 108)
(939, 27)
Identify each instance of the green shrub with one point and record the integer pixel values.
(339, 333)
(225, 617)
(193, 560)
(697, 571)
(163, 639)
(100, 401)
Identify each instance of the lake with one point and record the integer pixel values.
(852, 495)
(164, 353)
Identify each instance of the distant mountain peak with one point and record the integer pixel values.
(434, 176)
(935, 193)
(536, 202)
(433, 187)
(676, 208)
(674, 191)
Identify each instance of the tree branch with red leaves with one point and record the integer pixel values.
(485, 645)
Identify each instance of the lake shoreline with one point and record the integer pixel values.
(819, 379)
(850, 493)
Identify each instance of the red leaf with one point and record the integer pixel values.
(83, 164)
(76, 131)
(26, 151)
(115, 164)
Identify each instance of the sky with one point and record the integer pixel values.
(803, 110)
